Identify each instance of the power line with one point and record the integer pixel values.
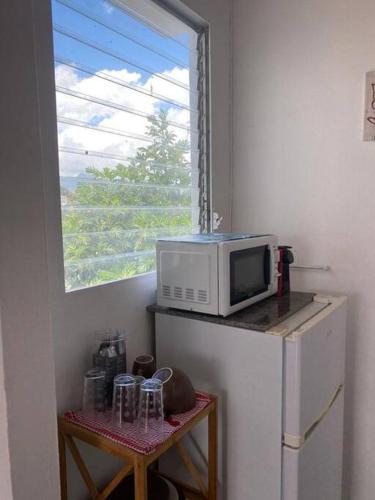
(116, 29)
(99, 154)
(115, 232)
(104, 50)
(98, 128)
(160, 31)
(116, 183)
(120, 107)
(72, 208)
(118, 81)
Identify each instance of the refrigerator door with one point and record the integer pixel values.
(314, 471)
(244, 368)
(313, 369)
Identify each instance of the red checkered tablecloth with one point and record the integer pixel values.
(129, 435)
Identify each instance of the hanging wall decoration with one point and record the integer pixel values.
(369, 125)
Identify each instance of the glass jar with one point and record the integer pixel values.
(110, 356)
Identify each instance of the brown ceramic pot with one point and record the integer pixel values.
(178, 391)
(157, 487)
(144, 365)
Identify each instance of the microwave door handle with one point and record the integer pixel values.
(267, 265)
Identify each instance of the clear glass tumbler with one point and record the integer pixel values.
(124, 400)
(93, 400)
(151, 412)
(138, 382)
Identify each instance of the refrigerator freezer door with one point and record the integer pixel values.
(314, 471)
(313, 369)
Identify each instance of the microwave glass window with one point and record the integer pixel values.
(249, 273)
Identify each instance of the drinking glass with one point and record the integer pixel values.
(93, 400)
(124, 400)
(138, 382)
(151, 412)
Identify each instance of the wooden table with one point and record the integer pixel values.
(137, 462)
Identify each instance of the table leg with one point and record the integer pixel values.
(140, 479)
(62, 460)
(212, 453)
(194, 472)
(82, 467)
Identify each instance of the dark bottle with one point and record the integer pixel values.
(286, 258)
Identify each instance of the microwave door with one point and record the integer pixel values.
(249, 273)
(246, 276)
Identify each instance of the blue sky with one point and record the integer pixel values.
(86, 125)
(86, 28)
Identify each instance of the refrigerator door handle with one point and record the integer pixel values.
(296, 442)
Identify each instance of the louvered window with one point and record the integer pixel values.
(132, 115)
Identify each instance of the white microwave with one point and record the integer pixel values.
(217, 273)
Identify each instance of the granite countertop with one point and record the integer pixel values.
(260, 316)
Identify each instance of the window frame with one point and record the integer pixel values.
(183, 12)
(195, 22)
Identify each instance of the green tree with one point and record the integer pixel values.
(115, 215)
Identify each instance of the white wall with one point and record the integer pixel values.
(5, 473)
(302, 171)
(77, 315)
(26, 366)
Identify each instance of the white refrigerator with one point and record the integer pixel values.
(281, 397)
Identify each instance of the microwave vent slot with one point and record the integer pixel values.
(189, 294)
(177, 292)
(202, 296)
(166, 291)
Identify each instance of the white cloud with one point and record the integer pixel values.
(91, 112)
(167, 88)
(108, 8)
